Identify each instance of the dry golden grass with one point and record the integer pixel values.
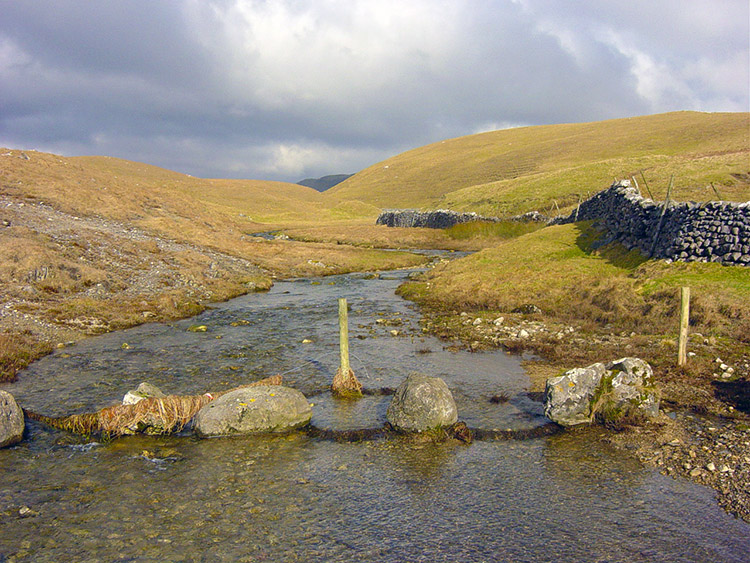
(517, 170)
(463, 237)
(17, 351)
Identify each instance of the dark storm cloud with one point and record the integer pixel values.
(284, 90)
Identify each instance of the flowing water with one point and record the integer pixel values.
(297, 498)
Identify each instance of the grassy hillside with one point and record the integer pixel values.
(130, 190)
(531, 168)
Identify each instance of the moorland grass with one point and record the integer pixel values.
(502, 230)
(530, 168)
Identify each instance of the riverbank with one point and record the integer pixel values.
(703, 433)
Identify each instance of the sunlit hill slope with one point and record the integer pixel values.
(533, 168)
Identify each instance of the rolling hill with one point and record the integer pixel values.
(532, 168)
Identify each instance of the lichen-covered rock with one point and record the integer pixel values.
(633, 384)
(265, 408)
(569, 396)
(610, 391)
(143, 391)
(11, 420)
(422, 403)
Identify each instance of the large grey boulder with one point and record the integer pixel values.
(568, 398)
(422, 403)
(11, 420)
(265, 408)
(611, 391)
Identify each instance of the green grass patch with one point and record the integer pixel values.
(482, 229)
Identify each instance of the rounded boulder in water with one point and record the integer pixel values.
(251, 410)
(422, 403)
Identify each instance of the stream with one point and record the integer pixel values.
(296, 498)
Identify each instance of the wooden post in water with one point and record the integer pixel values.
(684, 322)
(345, 384)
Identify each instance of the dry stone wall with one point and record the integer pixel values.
(716, 231)
(443, 218)
(440, 219)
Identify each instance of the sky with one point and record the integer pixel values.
(291, 89)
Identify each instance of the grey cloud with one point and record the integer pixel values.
(284, 90)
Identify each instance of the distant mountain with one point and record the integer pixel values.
(322, 184)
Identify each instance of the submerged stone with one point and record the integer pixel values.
(11, 420)
(265, 408)
(143, 391)
(422, 403)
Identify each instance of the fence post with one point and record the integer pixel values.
(684, 322)
(645, 183)
(661, 217)
(345, 384)
(344, 335)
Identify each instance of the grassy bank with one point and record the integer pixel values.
(594, 305)
(466, 236)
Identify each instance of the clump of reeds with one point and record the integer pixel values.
(17, 351)
(153, 415)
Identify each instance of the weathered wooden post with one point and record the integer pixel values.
(645, 183)
(661, 217)
(345, 384)
(684, 322)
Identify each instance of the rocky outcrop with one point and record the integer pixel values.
(609, 391)
(265, 408)
(11, 420)
(422, 403)
(716, 231)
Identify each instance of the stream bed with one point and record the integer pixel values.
(295, 498)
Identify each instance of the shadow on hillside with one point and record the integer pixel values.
(592, 240)
(736, 393)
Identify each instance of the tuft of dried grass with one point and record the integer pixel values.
(17, 351)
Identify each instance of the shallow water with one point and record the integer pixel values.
(295, 498)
